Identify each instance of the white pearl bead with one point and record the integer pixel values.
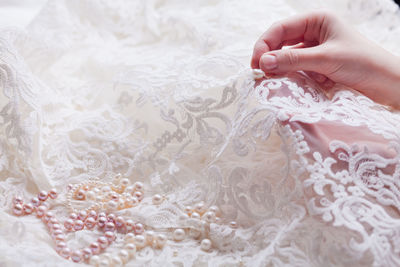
(139, 186)
(179, 234)
(205, 244)
(125, 182)
(233, 224)
(209, 216)
(130, 189)
(195, 215)
(157, 199)
(124, 255)
(200, 207)
(214, 209)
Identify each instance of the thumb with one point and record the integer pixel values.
(288, 60)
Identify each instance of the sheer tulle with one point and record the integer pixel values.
(161, 92)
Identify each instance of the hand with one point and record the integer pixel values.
(330, 52)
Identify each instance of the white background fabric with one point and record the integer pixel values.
(161, 91)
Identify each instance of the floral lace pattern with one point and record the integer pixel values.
(161, 92)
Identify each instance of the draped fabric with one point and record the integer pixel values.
(161, 92)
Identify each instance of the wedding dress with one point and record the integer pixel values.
(162, 93)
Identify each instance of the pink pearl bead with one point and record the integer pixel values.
(90, 223)
(76, 256)
(110, 236)
(102, 222)
(53, 193)
(73, 216)
(119, 221)
(56, 233)
(65, 253)
(47, 216)
(42, 196)
(82, 215)
(56, 226)
(102, 214)
(130, 225)
(28, 208)
(103, 242)
(87, 253)
(60, 237)
(109, 226)
(78, 225)
(18, 209)
(60, 245)
(41, 210)
(35, 202)
(139, 228)
(18, 200)
(111, 218)
(69, 224)
(95, 248)
(139, 195)
(93, 214)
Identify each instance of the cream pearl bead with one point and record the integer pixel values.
(124, 255)
(116, 261)
(130, 189)
(105, 189)
(139, 195)
(194, 233)
(129, 238)
(179, 234)
(140, 241)
(94, 260)
(157, 199)
(131, 248)
(138, 186)
(90, 195)
(161, 240)
(104, 263)
(188, 210)
(150, 236)
(205, 244)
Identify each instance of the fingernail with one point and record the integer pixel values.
(268, 62)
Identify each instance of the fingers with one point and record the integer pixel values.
(289, 60)
(302, 28)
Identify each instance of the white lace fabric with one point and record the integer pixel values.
(162, 92)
